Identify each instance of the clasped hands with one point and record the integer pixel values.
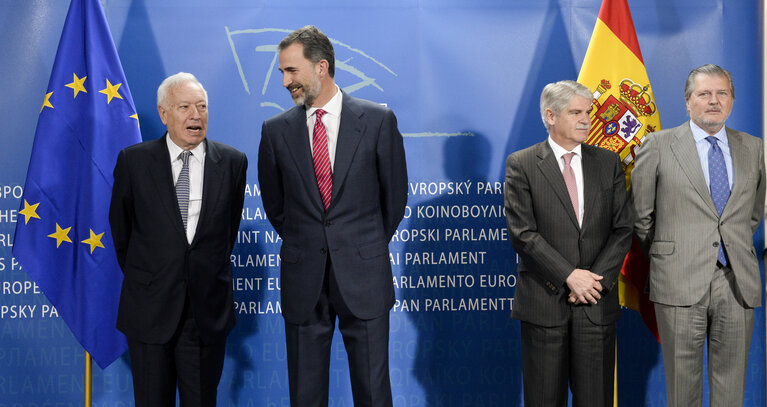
(585, 287)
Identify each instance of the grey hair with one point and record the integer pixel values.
(557, 95)
(710, 70)
(176, 80)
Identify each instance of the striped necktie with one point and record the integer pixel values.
(182, 186)
(322, 159)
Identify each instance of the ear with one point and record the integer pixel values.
(321, 67)
(549, 116)
(163, 114)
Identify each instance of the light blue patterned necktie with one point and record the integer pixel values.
(719, 183)
(182, 186)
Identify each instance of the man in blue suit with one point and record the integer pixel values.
(334, 186)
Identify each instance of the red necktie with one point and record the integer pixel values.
(572, 187)
(322, 159)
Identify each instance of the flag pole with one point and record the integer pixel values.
(615, 374)
(88, 378)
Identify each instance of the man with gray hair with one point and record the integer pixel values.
(698, 190)
(570, 222)
(175, 211)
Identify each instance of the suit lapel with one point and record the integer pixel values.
(349, 136)
(685, 151)
(160, 172)
(591, 184)
(549, 167)
(211, 185)
(739, 165)
(297, 138)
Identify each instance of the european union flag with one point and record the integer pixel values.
(63, 240)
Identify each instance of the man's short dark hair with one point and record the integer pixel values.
(316, 44)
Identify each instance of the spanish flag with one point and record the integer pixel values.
(624, 112)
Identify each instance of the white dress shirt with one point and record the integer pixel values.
(575, 163)
(331, 120)
(196, 169)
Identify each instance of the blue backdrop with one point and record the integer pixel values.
(463, 77)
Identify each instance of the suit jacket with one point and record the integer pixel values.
(161, 268)
(544, 231)
(677, 222)
(368, 202)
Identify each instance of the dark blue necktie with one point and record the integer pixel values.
(720, 184)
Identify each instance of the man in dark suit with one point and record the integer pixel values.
(334, 185)
(698, 191)
(570, 222)
(176, 208)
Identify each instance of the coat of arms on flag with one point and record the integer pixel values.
(616, 124)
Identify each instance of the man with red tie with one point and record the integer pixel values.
(334, 186)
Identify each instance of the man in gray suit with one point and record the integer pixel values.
(570, 222)
(698, 190)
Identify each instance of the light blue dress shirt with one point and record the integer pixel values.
(703, 146)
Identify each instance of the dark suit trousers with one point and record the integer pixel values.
(185, 360)
(578, 352)
(366, 343)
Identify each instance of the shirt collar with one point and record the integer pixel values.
(700, 135)
(559, 151)
(175, 150)
(333, 106)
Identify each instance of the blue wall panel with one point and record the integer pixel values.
(463, 77)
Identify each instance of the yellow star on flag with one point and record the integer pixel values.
(61, 235)
(135, 116)
(111, 91)
(77, 84)
(29, 211)
(47, 101)
(94, 240)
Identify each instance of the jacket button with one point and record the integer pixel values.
(323, 250)
(328, 223)
(716, 244)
